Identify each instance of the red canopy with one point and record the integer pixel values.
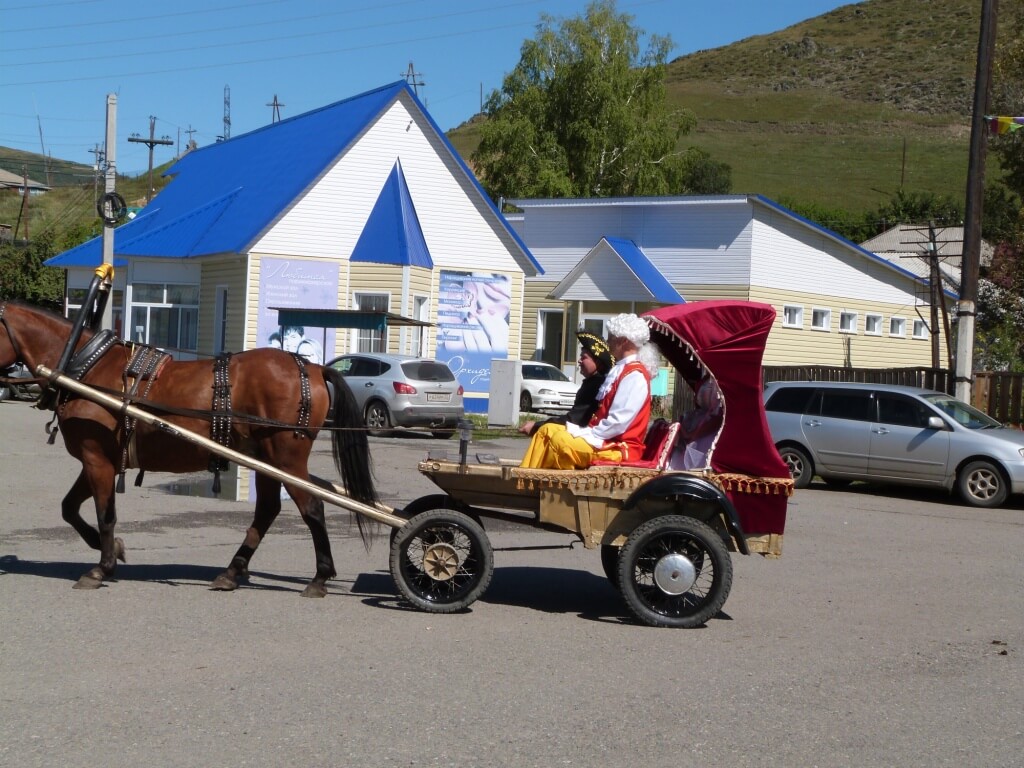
(727, 338)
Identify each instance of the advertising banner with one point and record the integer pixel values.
(299, 284)
(473, 325)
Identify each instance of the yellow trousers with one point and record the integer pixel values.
(552, 447)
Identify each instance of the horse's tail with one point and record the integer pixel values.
(350, 446)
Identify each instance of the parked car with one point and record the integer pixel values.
(25, 388)
(545, 388)
(894, 434)
(403, 391)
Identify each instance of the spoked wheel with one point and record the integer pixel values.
(674, 571)
(441, 561)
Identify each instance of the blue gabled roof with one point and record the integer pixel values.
(242, 185)
(226, 195)
(649, 275)
(392, 234)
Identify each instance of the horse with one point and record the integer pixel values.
(271, 406)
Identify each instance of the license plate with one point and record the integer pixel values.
(437, 397)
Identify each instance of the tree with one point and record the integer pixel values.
(584, 114)
(23, 276)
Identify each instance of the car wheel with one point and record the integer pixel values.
(981, 484)
(378, 420)
(5, 393)
(800, 467)
(610, 563)
(525, 402)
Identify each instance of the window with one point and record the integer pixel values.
(789, 399)
(115, 302)
(902, 411)
(165, 315)
(897, 326)
(369, 340)
(873, 325)
(847, 322)
(792, 316)
(821, 319)
(920, 329)
(846, 404)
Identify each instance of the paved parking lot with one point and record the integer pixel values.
(889, 634)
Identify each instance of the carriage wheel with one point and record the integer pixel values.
(674, 571)
(441, 561)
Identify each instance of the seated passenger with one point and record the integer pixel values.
(595, 362)
(617, 429)
(699, 427)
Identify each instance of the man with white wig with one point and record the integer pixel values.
(617, 429)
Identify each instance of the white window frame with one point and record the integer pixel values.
(827, 314)
(867, 324)
(185, 316)
(920, 329)
(900, 323)
(850, 327)
(798, 311)
(364, 340)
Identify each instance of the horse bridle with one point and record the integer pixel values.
(10, 333)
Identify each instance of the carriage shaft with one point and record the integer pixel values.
(381, 513)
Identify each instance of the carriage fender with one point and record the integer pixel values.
(679, 484)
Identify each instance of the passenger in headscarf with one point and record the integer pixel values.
(699, 427)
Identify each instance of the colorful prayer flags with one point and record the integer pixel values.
(998, 125)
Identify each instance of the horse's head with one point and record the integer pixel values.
(30, 335)
(8, 355)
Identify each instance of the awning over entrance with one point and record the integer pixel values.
(344, 318)
(616, 270)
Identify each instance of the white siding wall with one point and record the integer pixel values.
(459, 227)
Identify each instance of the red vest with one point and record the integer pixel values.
(630, 442)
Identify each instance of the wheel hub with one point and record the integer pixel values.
(441, 562)
(674, 574)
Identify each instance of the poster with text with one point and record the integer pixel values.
(300, 284)
(473, 325)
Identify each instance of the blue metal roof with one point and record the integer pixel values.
(392, 234)
(660, 288)
(226, 195)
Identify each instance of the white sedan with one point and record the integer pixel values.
(545, 388)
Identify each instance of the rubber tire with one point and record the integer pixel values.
(378, 419)
(525, 402)
(426, 503)
(982, 484)
(476, 565)
(443, 434)
(610, 563)
(800, 467)
(674, 534)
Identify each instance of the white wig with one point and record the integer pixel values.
(651, 358)
(629, 326)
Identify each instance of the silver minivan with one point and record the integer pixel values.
(889, 433)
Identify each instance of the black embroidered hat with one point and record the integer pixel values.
(598, 349)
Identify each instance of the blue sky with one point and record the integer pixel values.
(60, 58)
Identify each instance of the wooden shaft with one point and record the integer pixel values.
(380, 513)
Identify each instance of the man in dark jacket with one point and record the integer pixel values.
(595, 362)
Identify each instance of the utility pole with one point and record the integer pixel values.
(412, 77)
(227, 114)
(276, 117)
(967, 306)
(150, 142)
(97, 161)
(23, 211)
(109, 182)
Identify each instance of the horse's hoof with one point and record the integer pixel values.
(315, 590)
(224, 583)
(119, 549)
(90, 580)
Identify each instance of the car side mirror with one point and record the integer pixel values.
(936, 422)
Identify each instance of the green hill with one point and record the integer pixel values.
(842, 110)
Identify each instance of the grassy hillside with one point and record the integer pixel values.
(842, 110)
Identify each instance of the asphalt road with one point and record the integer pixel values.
(890, 633)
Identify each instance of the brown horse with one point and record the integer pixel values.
(275, 414)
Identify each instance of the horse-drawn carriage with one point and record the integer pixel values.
(664, 535)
